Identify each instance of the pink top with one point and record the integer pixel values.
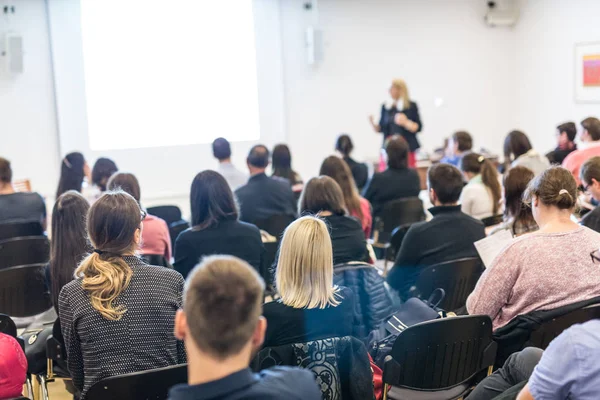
(155, 237)
(367, 220)
(13, 367)
(538, 271)
(576, 158)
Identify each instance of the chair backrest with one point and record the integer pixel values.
(457, 277)
(157, 259)
(153, 384)
(493, 220)
(441, 354)
(549, 330)
(7, 325)
(13, 230)
(269, 260)
(22, 185)
(169, 213)
(24, 251)
(398, 212)
(275, 224)
(396, 239)
(23, 291)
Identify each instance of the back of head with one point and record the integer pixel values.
(515, 145)
(221, 149)
(113, 222)
(569, 128)
(478, 164)
(592, 126)
(304, 275)
(221, 321)
(258, 156)
(338, 170)
(211, 200)
(126, 182)
(344, 145)
(5, 171)
(322, 194)
(396, 149)
(102, 171)
(13, 367)
(516, 181)
(282, 162)
(446, 181)
(71, 173)
(69, 244)
(554, 187)
(463, 140)
(590, 170)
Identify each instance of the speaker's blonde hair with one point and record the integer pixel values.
(401, 84)
(304, 275)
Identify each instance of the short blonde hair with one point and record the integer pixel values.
(401, 84)
(304, 275)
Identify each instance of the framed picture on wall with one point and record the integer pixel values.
(587, 72)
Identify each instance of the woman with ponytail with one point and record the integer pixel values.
(481, 196)
(117, 315)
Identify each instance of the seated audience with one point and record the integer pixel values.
(397, 182)
(323, 197)
(73, 171)
(518, 152)
(356, 205)
(448, 236)
(222, 152)
(310, 307)
(156, 239)
(222, 330)
(545, 270)
(282, 167)
(13, 368)
(360, 172)
(460, 144)
(590, 180)
(18, 206)
(263, 197)
(215, 226)
(481, 196)
(118, 315)
(566, 143)
(103, 169)
(590, 146)
(518, 218)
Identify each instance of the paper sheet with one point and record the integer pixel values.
(491, 246)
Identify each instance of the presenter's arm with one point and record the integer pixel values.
(412, 124)
(376, 127)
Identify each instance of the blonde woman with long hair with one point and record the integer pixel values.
(311, 307)
(117, 316)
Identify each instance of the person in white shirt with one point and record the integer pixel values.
(481, 196)
(222, 152)
(518, 152)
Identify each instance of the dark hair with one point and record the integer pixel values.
(463, 139)
(515, 145)
(282, 163)
(396, 149)
(5, 171)
(69, 244)
(553, 187)
(344, 145)
(569, 128)
(516, 181)
(322, 194)
(590, 170)
(102, 171)
(338, 170)
(258, 156)
(71, 173)
(446, 181)
(211, 200)
(477, 164)
(592, 125)
(221, 149)
(126, 182)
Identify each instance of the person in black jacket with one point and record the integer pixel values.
(360, 172)
(448, 236)
(590, 179)
(215, 227)
(566, 143)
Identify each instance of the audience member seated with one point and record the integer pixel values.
(590, 180)
(397, 182)
(282, 167)
(215, 226)
(310, 307)
(360, 172)
(13, 368)
(481, 196)
(18, 206)
(518, 152)
(590, 146)
(518, 218)
(566, 143)
(222, 152)
(323, 197)
(222, 330)
(103, 169)
(356, 205)
(460, 144)
(263, 197)
(545, 270)
(73, 171)
(118, 315)
(448, 236)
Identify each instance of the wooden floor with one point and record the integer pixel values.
(56, 391)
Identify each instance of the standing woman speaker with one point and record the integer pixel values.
(400, 116)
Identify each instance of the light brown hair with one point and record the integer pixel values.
(592, 126)
(516, 181)
(126, 182)
(396, 149)
(554, 187)
(322, 194)
(477, 164)
(401, 84)
(590, 170)
(5, 171)
(338, 170)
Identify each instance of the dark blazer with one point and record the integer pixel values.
(360, 172)
(391, 184)
(263, 197)
(233, 238)
(448, 236)
(558, 155)
(347, 239)
(389, 127)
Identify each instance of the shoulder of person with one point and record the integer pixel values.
(248, 227)
(418, 227)
(71, 289)
(413, 104)
(161, 273)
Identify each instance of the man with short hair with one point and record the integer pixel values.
(590, 147)
(566, 133)
(448, 236)
(222, 327)
(590, 180)
(222, 152)
(264, 196)
(17, 207)
(461, 144)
